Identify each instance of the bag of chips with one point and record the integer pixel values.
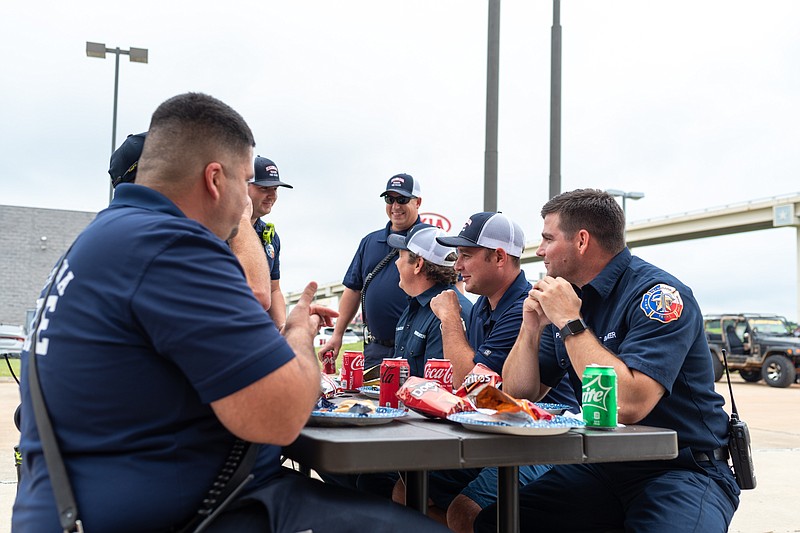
(480, 376)
(427, 397)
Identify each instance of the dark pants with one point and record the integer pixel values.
(653, 496)
(292, 503)
(380, 484)
(375, 353)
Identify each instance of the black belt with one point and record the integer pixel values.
(720, 454)
(369, 339)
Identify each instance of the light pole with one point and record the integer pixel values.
(137, 55)
(625, 195)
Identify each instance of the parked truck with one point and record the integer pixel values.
(759, 346)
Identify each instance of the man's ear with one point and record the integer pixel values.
(213, 175)
(582, 239)
(501, 256)
(419, 265)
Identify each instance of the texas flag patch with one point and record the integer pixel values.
(662, 303)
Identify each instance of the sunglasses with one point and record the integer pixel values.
(402, 200)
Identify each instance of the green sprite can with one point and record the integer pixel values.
(599, 396)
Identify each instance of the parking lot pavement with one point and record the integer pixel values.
(771, 414)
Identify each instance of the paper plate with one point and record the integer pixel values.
(370, 391)
(382, 415)
(491, 424)
(553, 408)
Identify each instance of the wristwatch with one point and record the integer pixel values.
(573, 327)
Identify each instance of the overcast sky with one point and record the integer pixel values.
(696, 104)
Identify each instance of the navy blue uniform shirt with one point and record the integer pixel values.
(149, 321)
(418, 335)
(385, 300)
(652, 322)
(494, 332)
(272, 247)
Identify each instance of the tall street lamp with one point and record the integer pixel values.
(136, 55)
(625, 195)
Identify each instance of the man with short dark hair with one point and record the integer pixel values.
(154, 357)
(489, 247)
(123, 168)
(372, 277)
(600, 305)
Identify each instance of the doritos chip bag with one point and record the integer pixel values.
(480, 376)
(428, 398)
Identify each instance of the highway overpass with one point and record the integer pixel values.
(775, 212)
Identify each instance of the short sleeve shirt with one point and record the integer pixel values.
(149, 320)
(418, 335)
(652, 322)
(385, 300)
(272, 247)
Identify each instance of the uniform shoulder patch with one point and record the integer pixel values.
(662, 303)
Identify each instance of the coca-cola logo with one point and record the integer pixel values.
(441, 374)
(357, 362)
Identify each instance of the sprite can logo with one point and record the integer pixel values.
(599, 396)
(595, 394)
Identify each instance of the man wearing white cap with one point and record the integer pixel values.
(426, 269)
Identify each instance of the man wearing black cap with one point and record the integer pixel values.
(372, 280)
(263, 192)
(123, 168)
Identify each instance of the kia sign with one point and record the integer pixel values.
(434, 219)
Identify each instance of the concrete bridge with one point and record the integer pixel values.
(775, 212)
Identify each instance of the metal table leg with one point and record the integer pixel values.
(508, 499)
(417, 491)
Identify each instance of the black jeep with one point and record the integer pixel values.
(758, 346)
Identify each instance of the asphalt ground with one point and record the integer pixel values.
(773, 416)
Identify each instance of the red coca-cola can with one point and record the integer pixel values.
(352, 370)
(440, 370)
(328, 363)
(394, 372)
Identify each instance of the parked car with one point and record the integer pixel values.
(326, 333)
(759, 346)
(12, 338)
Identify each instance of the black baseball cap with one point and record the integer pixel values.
(267, 174)
(125, 159)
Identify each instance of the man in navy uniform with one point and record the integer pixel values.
(263, 192)
(154, 356)
(372, 277)
(600, 305)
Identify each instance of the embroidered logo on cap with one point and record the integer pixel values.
(662, 303)
(397, 181)
(272, 170)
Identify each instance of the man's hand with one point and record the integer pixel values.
(445, 306)
(533, 316)
(557, 299)
(305, 318)
(334, 344)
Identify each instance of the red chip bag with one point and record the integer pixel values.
(428, 398)
(480, 376)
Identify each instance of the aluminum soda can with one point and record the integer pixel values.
(599, 396)
(328, 363)
(352, 370)
(440, 370)
(394, 373)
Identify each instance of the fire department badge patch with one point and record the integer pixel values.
(662, 303)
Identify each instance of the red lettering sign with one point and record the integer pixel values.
(435, 219)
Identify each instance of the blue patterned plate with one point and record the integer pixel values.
(370, 391)
(382, 415)
(553, 408)
(497, 424)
